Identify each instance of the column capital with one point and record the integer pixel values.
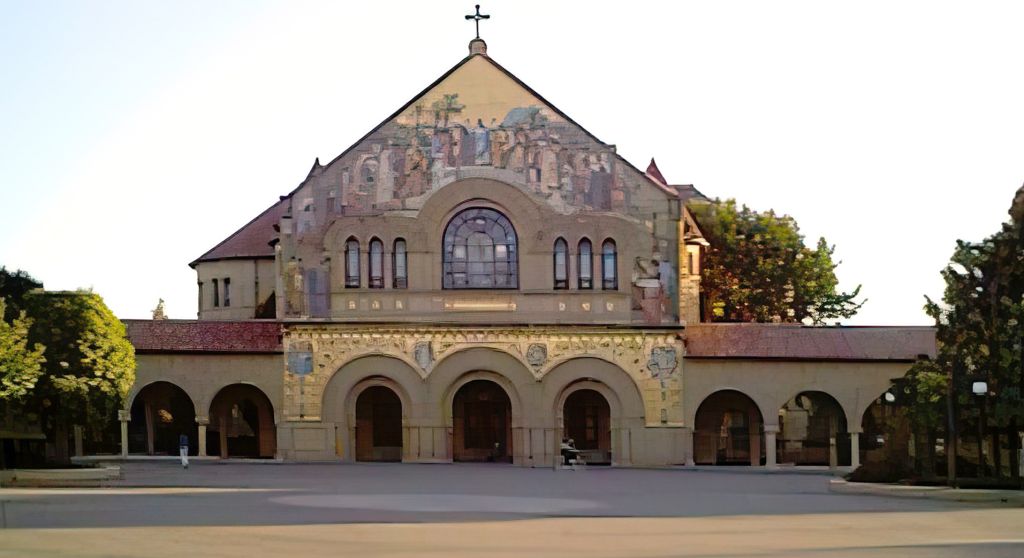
(124, 415)
(203, 421)
(855, 431)
(771, 429)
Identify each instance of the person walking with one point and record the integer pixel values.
(183, 449)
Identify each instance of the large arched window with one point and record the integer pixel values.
(399, 273)
(609, 275)
(586, 265)
(561, 264)
(352, 263)
(480, 251)
(376, 264)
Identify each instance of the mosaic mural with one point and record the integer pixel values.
(477, 119)
(477, 122)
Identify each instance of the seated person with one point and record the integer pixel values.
(569, 451)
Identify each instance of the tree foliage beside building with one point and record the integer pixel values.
(980, 325)
(758, 269)
(20, 362)
(90, 364)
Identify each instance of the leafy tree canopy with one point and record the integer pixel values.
(20, 364)
(980, 319)
(758, 269)
(90, 364)
(14, 287)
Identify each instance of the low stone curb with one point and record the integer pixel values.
(59, 477)
(1012, 497)
(92, 459)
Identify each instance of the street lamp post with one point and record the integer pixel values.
(980, 389)
(952, 444)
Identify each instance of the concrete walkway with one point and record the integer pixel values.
(238, 509)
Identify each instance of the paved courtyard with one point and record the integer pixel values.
(245, 509)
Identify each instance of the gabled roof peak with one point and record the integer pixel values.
(477, 46)
(655, 173)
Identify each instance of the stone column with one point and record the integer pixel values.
(855, 449)
(202, 422)
(770, 458)
(688, 446)
(124, 416)
(150, 450)
(223, 437)
(78, 439)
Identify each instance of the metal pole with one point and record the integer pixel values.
(982, 466)
(951, 441)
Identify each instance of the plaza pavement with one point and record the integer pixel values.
(242, 509)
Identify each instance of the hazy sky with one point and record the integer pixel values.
(136, 135)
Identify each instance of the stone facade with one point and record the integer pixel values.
(346, 358)
(570, 308)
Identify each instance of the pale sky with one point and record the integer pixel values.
(134, 136)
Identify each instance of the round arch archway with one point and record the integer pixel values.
(586, 422)
(241, 423)
(481, 422)
(160, 413)
(728, 430)
(813, 431)
(341, 394)
(378, 419)
(615, 385)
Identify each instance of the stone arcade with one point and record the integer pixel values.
(475, 279)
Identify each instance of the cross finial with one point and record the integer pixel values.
(476, 18)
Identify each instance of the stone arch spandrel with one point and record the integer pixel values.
(526, 213)
(846, 401)
(571, 374)
(367, 370)
(446, 201)
(483, 363)
(763, 401)
(210, 394)
(137, 389)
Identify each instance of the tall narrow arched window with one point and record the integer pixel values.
(352, 264)
(480, 251)
(609, 274)
(399, 275)
(586, 265)
(376, 264)
(561, 264)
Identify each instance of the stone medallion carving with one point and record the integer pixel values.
(662, 361)
(423, 354)
(536, 354)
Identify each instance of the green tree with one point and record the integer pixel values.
(20, 364)
(90, 364)
(758, 269)
(980, 326)
(14, 287)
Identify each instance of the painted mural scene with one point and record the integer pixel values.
(480, 279)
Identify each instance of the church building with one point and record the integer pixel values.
(476, 279)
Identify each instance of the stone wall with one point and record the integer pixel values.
(638, 372)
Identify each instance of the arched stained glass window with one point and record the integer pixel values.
(480, 251)
(400, 276)
(561, 264)
(352, 263)
(609, 275)
(586, 265)
(376, 264)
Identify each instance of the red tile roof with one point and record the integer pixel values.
(797, 342)
(250, 241)
(194, 336)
